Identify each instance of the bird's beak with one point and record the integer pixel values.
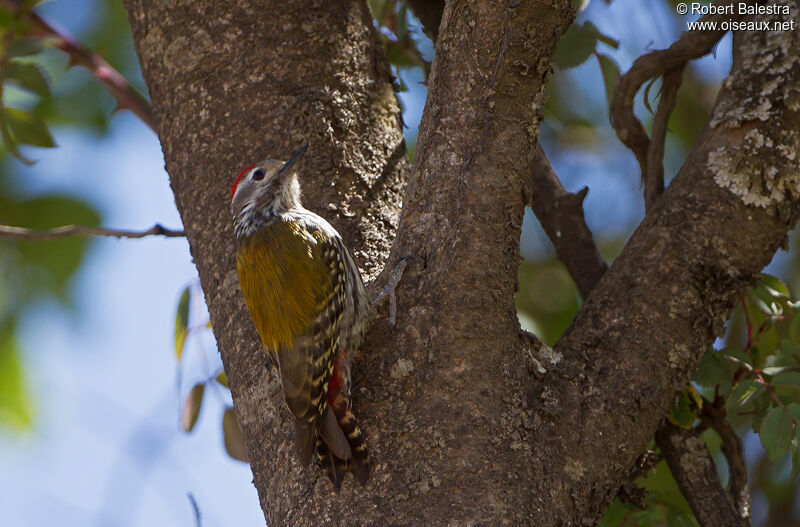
(287, 167)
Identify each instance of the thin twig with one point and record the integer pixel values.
(713, 414)
(198, 518)
(691, 45)
(21, 233)
(127, 97)
(654, 172)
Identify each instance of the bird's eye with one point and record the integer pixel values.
(258, 174)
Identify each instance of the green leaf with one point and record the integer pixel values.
(786, 377)
(23, 47)
(794, 448)
(768, 344)
(738, 356)
(9, 143)
(611, 75)
(787, 393)
(576, 46)
(28, 129)
(794, 329)
(685, 412)
(712, 370)
(774, 286)
(743, 393)
(16, 410)
(400, 55)
(28, 76)
(191, 408)
(761, 305)
(777, 431)
(763, 406)
(182, 322)
(222, 378)
(232, 435)
(786, 347)
(774, 370)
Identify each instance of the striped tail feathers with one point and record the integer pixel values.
(359, 463)
(334, 437)
(326, 428)
(308, 433)
(335, 467)
(340, 424)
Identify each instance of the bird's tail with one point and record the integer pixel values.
(325, 450)
(358, 463)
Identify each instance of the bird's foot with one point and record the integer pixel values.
(388, 291)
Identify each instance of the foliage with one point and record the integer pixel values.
(29, 102)
(21, 126)
(39, 88)
(29, 273)
(231, 434)
(400, 39)
(15, 404)
(758, 385)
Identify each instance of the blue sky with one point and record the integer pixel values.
(107, 448)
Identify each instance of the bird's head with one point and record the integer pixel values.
(269, 187)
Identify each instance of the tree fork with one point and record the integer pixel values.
(469, 423)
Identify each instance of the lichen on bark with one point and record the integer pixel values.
(759, 103)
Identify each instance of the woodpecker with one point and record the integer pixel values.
(307, 300)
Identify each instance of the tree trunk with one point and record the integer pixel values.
(469, 421)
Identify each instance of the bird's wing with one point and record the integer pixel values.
(307, 365)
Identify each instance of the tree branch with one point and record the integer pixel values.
(654, 175)
(446, 386)
(696, 475)
(580, 256)
(713, 413)
(566, 228)
(20, 233)
(669, 62)
(634, 337)
(316, 73)
(127, 97)
(561, 215)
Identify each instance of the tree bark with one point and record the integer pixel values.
(696, 475)
(235, 82)
(469, 421)
(636, 341)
